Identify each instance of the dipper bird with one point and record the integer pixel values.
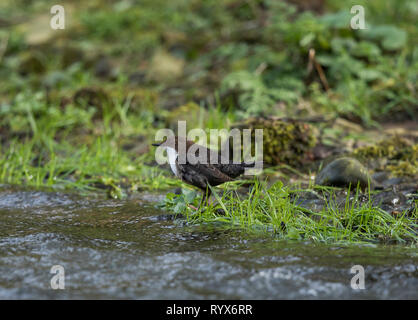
(197, 173)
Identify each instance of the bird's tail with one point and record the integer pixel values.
(253, 164)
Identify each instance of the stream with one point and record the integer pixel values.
(129, 249)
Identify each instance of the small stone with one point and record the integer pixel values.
(344, 172)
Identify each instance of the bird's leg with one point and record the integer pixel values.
(208, 193)
(205, 198)
(192, 207)
(200, 204)
(201, 201)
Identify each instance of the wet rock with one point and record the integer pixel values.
(344, 172)
(394, 199)
(391, 201)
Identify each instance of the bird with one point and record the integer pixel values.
(199, 174)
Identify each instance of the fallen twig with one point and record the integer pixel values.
(313, 62)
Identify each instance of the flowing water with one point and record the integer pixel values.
(113, 249)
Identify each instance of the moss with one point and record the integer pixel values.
(392, 148)
(395, 154)
(410, 153)
(403, 168)
(284, 141)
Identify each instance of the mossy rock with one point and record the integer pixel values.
(403, 169)
(284, 140)
(392, 148)
(396, 154)
(345, 172)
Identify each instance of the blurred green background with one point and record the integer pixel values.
(79, 106)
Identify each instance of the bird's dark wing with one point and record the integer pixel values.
(226, 166)
(200, 175)
(232, 170)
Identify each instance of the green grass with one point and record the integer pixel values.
(47, 146)
(274, 210)
(85, 168)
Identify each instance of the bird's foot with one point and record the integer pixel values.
(192, 207)
(196, 209)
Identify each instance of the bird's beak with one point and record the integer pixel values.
(156, 144)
